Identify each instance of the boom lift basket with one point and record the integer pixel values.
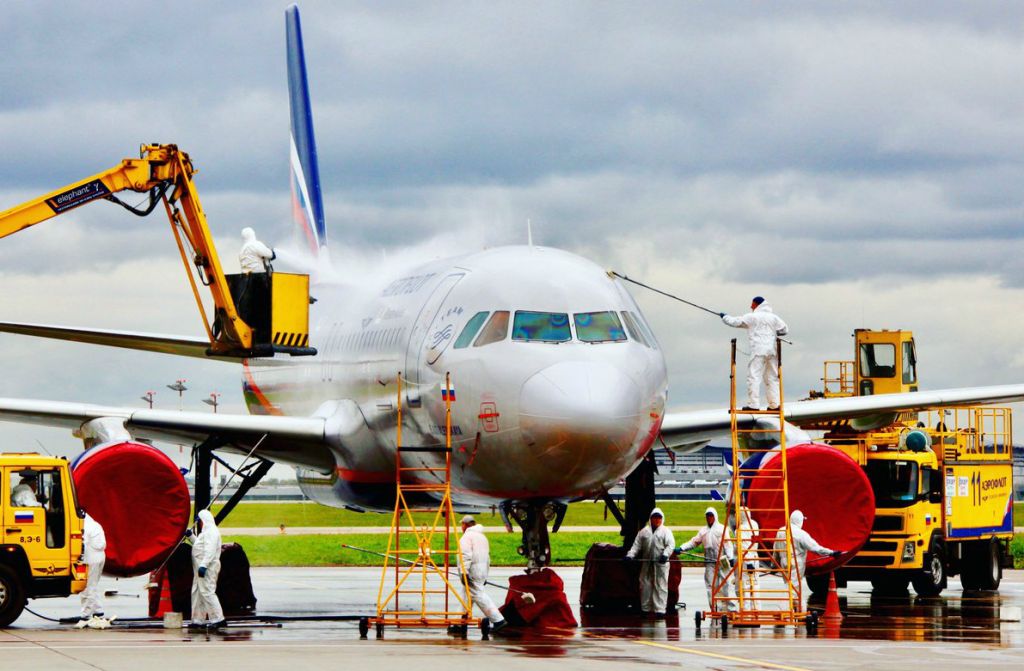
(275, 306)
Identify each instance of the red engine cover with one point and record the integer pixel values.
(139, 497)
(831, 490)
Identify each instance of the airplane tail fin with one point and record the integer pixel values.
(307, 205)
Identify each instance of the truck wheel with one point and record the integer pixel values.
(12, 596)
(818, 584)
(988, 572)
(969, 561)
(932, 578)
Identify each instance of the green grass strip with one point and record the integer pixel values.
(584, 513)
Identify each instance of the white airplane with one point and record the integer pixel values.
(560, 384)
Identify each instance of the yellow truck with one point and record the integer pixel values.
(41, 544)
(943, 480)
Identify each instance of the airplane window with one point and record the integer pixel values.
(472, 326)
(634, 329)
(646, 329)
(598, 327)
(542, 326)
(496, 329)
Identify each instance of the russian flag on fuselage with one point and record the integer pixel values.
(307, 203)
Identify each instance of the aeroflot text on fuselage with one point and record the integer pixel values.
(407, 285)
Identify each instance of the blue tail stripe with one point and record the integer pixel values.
(302, 121)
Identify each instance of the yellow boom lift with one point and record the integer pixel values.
(254, 315)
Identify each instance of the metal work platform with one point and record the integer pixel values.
(759, 584)
(422, 582)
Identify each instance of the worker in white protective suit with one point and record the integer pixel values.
(653, 546)
(94, 555)
(745, 529)
(764, 327)
(255, 256)
(476, 562)
(206, 610)
(802, 544)
(716, 568)
(24, 494)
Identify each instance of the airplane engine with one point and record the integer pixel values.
(139, 497)
(830, 489)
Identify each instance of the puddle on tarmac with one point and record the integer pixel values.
(972, 617)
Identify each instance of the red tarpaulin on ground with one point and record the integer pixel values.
(139, 497)
(551, 611)
(830, 489)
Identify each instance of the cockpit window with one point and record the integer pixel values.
(598, 327)
(472, 326)
(646, 329)
(634, 329)
(542, 326)
(496, 329)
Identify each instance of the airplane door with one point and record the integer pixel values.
(414, 355)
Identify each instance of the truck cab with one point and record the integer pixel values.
(41, 536)
(885, 363)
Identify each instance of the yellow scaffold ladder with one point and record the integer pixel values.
(757, 587)
(423, 583)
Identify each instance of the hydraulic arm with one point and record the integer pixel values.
(276, 321)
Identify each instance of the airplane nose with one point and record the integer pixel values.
(581, 394)
(580, 424)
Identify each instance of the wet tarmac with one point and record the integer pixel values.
(958, 630)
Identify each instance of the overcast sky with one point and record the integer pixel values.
(860, 165)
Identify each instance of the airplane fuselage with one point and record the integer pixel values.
(560, 387)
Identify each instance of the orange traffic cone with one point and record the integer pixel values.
(832, 614)
(165, 606)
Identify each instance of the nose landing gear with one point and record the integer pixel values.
(533, 518)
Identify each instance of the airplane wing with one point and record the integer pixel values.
(148, 342)
(296, 441)
(691, 430)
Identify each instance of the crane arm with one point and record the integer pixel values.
(136, 174)
(165, 173)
